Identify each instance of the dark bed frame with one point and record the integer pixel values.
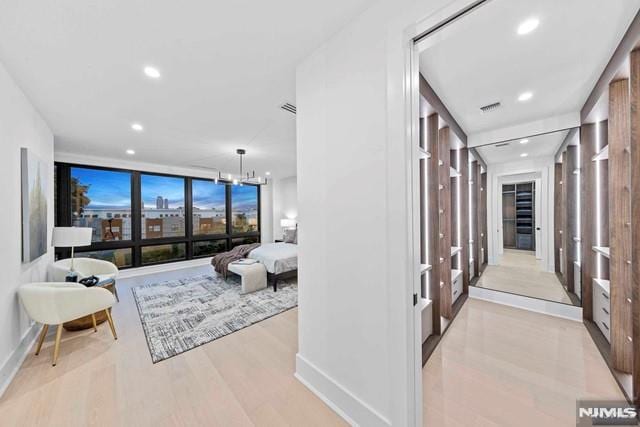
(272, 279)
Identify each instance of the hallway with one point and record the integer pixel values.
(501, 366)
(520, 273)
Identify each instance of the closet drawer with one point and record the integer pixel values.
(602, 308)
(456, 284)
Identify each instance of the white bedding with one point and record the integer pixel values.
(277, 257)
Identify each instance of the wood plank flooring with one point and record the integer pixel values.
(519, 273)
(502, 366)
(243, 379)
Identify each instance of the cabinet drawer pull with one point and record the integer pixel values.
(605, 326)
(455, 292)
(605, 310)
(605, 295)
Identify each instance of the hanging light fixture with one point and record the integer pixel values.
(242, 178)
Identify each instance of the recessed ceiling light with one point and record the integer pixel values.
(525, 96)
(528, 26)
(152, 72)
(137, 127)
(131, 152)
(524, 155)
(524, 141)
(267, 173)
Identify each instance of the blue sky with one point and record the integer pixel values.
(107, 189)
(207, 194)
(113, 189)
(166, 186)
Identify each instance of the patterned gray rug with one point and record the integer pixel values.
(180, 315)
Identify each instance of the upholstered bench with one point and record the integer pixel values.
(254, 276)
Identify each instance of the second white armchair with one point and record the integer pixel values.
(54, 303)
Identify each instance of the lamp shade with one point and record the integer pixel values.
(68, 237)
(287, 223)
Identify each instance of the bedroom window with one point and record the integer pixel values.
(99, 198)
(244, 208)
(209, 202)
(163, 206)
(142, 218)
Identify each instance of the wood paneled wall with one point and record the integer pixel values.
(463, 167)
(483, 219)
(433, 219)
(475, 194)
(619, 225)
(570, 230)
(557, 216)
(444, 237)
(634, 83)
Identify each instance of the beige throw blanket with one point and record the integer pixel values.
(221, 261)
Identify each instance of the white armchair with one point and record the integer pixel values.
(52, 303)
(84, 267)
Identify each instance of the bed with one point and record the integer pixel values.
(280, 259)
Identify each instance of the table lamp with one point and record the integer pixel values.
(71, 237)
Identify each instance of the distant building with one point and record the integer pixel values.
(166, 203)
(159, 202)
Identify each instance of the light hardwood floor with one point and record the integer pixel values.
(502, 366)
(519, 273)
(243, 379)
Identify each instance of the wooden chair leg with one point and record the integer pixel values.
(113, 328)
(93, 319)
(56, 349)
(43, 334)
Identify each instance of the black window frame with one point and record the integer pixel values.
(64, 216)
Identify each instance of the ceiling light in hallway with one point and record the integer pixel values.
(137, 127)
(152, 72)
(528, 26)
(525, 96)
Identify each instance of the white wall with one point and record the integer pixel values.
(285, 202)
(498, 173)
(20, 126)
(266, 213)
(356, 270)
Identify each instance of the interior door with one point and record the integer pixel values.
(537, 217)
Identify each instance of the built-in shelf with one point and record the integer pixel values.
(424, 154)
(455, 250)
(602, 250)
(604, 283)
(424, 268)
(455, 274)
(602, 154)
(453, 173)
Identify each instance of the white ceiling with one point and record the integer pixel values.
(226, 67)
(538, 146)
(481, 59)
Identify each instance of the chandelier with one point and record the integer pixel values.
(242, 178)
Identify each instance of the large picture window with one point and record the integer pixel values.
(209, 207)
(101, 199)
(163, 208)
(244, 208)
(140, 218)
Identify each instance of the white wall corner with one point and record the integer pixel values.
(337, 397)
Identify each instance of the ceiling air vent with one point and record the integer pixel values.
(289, 107)
(490, 107)
(502, 144)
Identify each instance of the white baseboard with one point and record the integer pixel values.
(161, 268)
(10, 368)
(550, 308)
(342, 401)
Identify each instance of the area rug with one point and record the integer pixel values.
(180, 315)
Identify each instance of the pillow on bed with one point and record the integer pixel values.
(290, 236)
